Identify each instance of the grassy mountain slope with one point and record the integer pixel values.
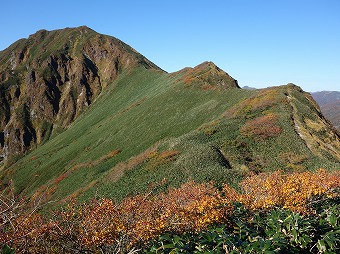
(141, 108)
(148, 129)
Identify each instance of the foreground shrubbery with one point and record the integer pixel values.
(275, 212)
(275, 231)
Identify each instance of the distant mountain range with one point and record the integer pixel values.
(329, 102)
(83, 114)
(249, 88)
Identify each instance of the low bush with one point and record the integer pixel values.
(274, 213)
(275, 231)
(262, 127)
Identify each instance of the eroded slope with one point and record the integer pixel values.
(49, 79)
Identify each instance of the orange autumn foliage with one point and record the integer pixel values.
(190, 208)
(290, 191)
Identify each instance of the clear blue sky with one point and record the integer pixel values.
(260, 43)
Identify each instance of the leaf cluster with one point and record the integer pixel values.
(275, 231)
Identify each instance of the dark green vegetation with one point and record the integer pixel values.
(274, 231)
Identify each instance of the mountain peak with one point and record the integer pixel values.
(50, 78)
(207, 64)
(208, 75)
(74, 42)
(40, 35)
(84, 28)
(79, 28)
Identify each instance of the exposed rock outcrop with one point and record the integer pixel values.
(49, 79)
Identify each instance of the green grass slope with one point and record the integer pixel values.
(150, 130)
(223, 150)
(140, 109)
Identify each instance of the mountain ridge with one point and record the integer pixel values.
(137, 126)
(207, 75)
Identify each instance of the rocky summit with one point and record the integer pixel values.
(49, 79)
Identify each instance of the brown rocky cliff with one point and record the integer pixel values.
(49, 79)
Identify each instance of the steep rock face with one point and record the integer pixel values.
(49, 79)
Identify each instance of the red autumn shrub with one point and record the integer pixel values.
(262, 127)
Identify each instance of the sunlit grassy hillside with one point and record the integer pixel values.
(150, 127)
